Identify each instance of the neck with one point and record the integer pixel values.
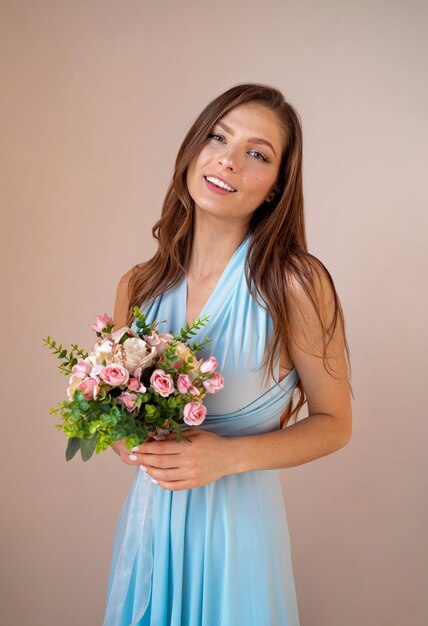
(213, 247)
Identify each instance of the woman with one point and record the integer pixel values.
(232, 246)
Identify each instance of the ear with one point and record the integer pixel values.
(272, 194)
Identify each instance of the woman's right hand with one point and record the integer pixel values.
(123, 452)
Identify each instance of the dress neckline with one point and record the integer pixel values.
(218, 285)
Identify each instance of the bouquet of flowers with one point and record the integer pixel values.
(133, 385)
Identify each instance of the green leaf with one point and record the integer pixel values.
(174, 425)
(87, 447)
(83, 405)
(150, 410)
(73, 446)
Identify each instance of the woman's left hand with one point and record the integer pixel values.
(186, 465)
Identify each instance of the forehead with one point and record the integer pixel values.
(255, 120)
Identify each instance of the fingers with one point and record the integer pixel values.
(172, 474)
(131, 456)
(149, 453)
(128, 456)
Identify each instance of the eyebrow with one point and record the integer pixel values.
(252, 139)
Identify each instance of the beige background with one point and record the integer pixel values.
(96, 98)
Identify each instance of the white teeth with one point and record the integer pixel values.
(219, 183)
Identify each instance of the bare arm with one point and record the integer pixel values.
(119, 317)
(121, 303)
(328, 426)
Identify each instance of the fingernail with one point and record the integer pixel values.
(143, 468)
(135, 449)
(154, 481)
(133, 457)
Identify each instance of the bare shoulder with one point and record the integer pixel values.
(121, 304)
(317, 344)
(310, 299)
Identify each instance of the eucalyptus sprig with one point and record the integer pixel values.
(188, 331)
(140, 322)
(69, 359)
(197, 345)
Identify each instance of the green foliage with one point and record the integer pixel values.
(73, 446)
(93, 425)
(87, 447)
(140, 322)
(197, 346)
(188, 331)
(168, 358)
(69, 359)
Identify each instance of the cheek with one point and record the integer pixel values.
(205, 155)
(258, 186)
(191, 173)
(195, 166)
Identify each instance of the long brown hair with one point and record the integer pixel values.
(277, 258)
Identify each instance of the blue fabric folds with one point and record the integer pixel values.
(216, 555)
(132, 540)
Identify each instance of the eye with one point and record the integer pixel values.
(261, 157)
(212, 135)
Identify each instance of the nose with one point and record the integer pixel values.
(228, 159)
(226, 162)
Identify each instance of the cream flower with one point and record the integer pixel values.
(74, 383)
(101, 353)
(138, 354)
(182, 351)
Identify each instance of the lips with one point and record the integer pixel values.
(222, 180)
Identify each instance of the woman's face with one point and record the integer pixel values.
(244, 150)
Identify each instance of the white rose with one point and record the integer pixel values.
(105, 346)
(137, 354)
(101, 353)
(74, 383)
(95, 359)
(92, 359)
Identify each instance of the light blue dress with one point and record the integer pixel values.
(219, 554)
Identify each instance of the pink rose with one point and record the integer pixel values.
(135, 385)
(82, 368)
(194, 413)
(184, 385)
(208, 366)
(162, 383)
(159, 341)
(101, 322)
(90, 388)
(152, 339)
(128, 400)
(214, 384)
(115, 374)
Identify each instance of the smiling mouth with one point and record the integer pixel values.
(220, 184)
